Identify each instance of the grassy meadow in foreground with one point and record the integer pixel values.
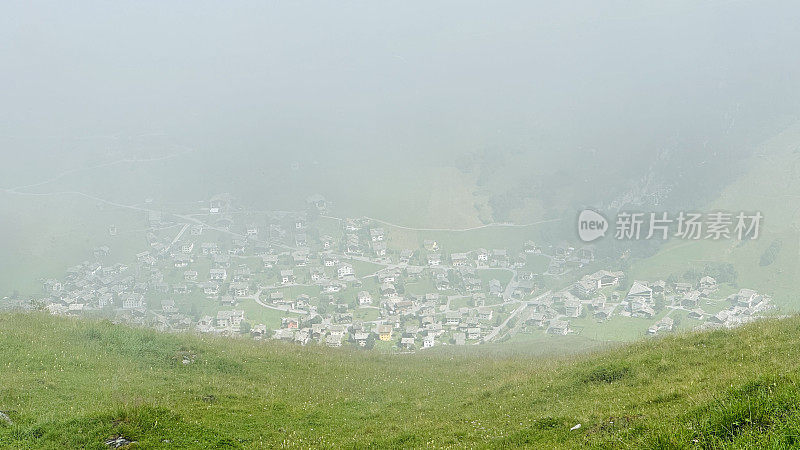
(72, 383)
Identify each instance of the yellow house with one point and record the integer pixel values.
(385, 332)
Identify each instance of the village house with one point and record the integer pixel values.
(525, 275)
(452, 318)
(747, 298)
(229, 320)
(604, 312)
(663, 325)
(459, 260)
(524, 289)
(530, 247)
(252, 230)
(431, 297)
(211, 288)
(414, 273)
(720, 317)
(219, 204)
(430, 245)
(269, 261)
(708, 283)
(659, 287)
(168, 306)
(442, 281)
(388, 290)
(277, 298)
(317, 274)
(696, 314)
(385, 332)
(352, 225)
(332, 287)
(218, 275)
(434, 259)
(388, 276)
(242, 274)
(405, 256)
(495, 288)
(364, 298)
(361, 338)
(586, 287)
(472, 284)
(209, 248)
(428, 341)
(104, 300)
(538, 320)
(691, 299)
(302, 336)
(181, 288)
(133, 301)
(187, 248)
(560, 327)
(638, 308)
(227, 301)
(290, 323)
(327, 241)
(300, 258)
(345, 270)
(573, 308)
(499, 258)
(379, 248)
(302, 301)
(205, 324)
(287, 276)
(240, 289)
(238, 246)
(283, 334)
(317, 201)
(259, 331)
(377, 234)
(640, 292)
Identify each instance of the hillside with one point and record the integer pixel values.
(770, 186)
(70, 383)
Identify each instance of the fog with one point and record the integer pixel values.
(323, 223)
(347, 79)
(427, 114)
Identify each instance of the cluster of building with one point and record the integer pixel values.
(345, 285)
(600, 295)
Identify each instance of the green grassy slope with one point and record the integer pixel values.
(771, 186)
(42, 238)
(70, 383)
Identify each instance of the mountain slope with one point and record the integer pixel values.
(76, 383)
(771, 186)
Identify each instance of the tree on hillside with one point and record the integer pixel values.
(244, 327)
(770, 254)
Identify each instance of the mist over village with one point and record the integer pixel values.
(399, 225)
